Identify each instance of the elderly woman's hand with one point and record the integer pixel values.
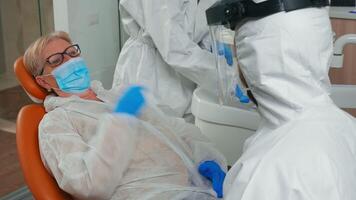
(131, 102)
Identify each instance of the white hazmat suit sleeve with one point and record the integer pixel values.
(164, 20)
(201, 147)
(87, 169)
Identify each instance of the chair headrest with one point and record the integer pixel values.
(28, 82)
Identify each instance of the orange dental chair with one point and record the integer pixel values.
(41, 184)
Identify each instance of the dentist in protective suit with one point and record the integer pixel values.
(168, 50)
(305, 147)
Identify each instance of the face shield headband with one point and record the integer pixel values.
(229, 13)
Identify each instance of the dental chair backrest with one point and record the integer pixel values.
(41, 184)
(28, 82)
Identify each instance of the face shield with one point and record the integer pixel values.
(232, 91)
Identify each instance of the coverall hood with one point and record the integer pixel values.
(305, 146)
(286, 64)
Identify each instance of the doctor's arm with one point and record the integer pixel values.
(210, 163)
(164, 20)
(87, 169)
(207, 159)
(202, 148)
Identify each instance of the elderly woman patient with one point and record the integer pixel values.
(115, 144)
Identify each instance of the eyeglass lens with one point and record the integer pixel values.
(57, 59)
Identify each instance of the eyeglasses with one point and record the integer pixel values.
(57, 58)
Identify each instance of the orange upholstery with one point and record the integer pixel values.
(27, 81)
(40, 182)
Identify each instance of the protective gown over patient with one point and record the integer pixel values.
(96, 154)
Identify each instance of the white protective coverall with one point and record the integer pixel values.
(168, 50)
(305, 148)
(94, 154)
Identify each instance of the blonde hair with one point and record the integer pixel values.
(32, 58)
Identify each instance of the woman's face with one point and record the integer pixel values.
(46, 80)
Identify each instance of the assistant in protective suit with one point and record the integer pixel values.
(168, 51)
(305, 146)
(115, 144)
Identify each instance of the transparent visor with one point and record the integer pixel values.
(232, 91)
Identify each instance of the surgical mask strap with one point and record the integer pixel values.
(52, 88)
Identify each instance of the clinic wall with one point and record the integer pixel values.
(94, 26)
(2, 52)
(347, 74)
(21, 22)
(19, 27)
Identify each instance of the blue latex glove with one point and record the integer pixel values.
(239, 94)
(224, 49)
(212, 171)
(131, 101)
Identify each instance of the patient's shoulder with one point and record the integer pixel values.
(56, 114)
(53, 121)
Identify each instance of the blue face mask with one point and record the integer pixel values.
(72, 76)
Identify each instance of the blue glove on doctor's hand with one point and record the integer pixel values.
(240, 95)
(131, 101)
(212, 171)
(224, 49)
